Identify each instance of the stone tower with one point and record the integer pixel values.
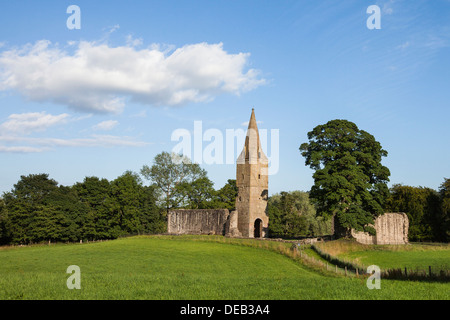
(252, 181)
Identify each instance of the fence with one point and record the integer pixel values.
(429, 274)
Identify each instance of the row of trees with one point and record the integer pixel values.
(37, 209)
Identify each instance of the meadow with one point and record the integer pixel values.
(413, 256)
(183, 267)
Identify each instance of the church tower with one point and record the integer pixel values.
(252, 181)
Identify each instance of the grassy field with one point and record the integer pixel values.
(412, 256)
(158, 267)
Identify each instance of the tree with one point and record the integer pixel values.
(423, 208)
(4, 233)
(34, 188)
(24, 205)
(444, 192)
(101, 221)
(167, 172)
(292, 215)
(136, 205)
(152, 219)
(350, 183)
(127, 192)
(198, 194)
(226, 196)
(428, 210)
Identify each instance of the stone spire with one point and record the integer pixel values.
(252, 151)
(252, 183)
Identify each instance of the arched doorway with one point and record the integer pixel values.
(257, 233)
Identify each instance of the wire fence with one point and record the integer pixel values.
(432, 273)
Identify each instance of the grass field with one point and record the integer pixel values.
(412, 256)
(159, 267)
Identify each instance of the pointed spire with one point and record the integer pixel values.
(252, 123)
(252, 151)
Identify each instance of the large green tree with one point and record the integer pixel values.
(168, 172)
(350, 183)
(26, 209)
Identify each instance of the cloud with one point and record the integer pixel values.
(45, 144)
(106, 125)
(15, 134)
(100, 78)
(20, 149)
(387, 7)
(404, 45)
(26, 123)
(133, 42)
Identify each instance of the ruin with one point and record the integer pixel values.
(197, 221)
(250, 218)
(391, 228)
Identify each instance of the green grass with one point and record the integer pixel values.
(412, 256)
(159, 267)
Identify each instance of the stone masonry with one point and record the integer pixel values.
(391, 228)
(197, 221)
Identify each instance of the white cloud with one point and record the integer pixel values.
(20, 149)
(134, 42)
(15, 134)
(44, 144)
(25, 123)
(106, 125)
(404, 45)
(100, 78)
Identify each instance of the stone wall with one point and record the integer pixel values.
(197, 221)
(391, 228)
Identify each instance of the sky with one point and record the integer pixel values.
(103, 90)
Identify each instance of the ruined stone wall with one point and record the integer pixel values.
(391, 228)
(197, 221)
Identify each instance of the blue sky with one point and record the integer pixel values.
(107, 98)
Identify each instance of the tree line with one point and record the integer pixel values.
(38, 209)
(349, 192)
